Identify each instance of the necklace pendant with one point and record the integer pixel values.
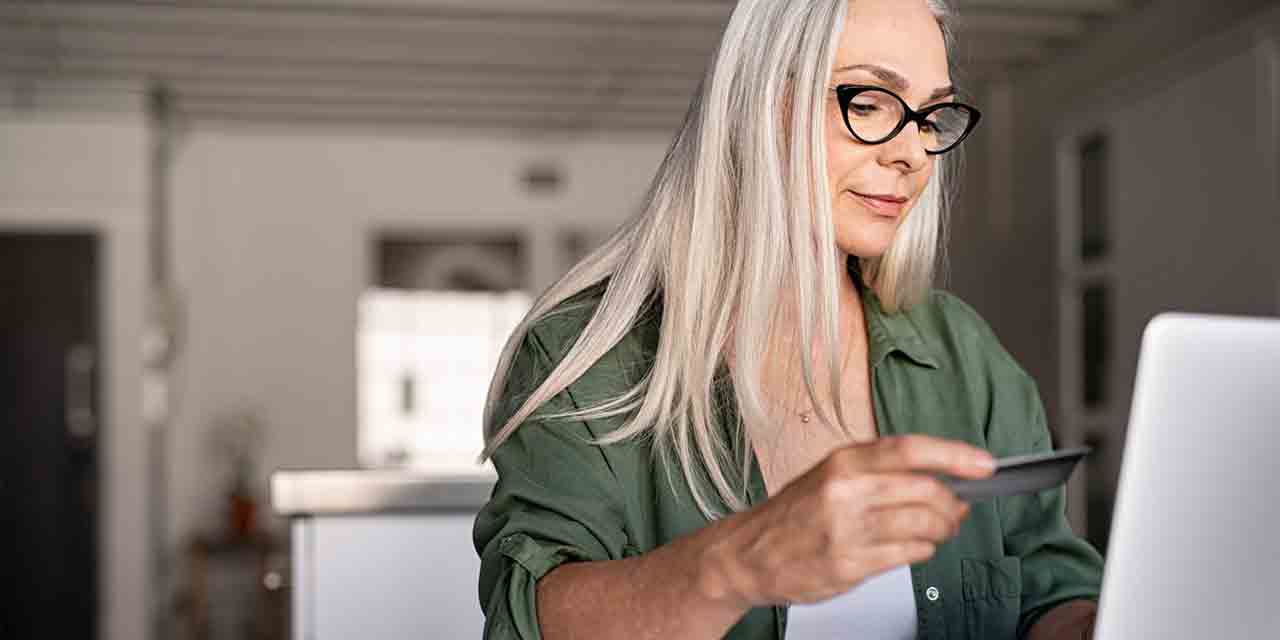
(804, 417)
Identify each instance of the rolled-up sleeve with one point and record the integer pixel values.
(556, 501)
(1057, 565)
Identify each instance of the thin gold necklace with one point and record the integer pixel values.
(806, 415)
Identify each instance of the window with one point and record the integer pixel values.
(426, 359)
(428, 340)
(1093, 201)
(1096, 343)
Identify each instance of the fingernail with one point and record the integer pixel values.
(987, 463)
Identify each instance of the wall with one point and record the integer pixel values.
(1194, 206)
(1008, 235)
(1192, 232)
(61, 172)
(1143, 76)
(1118, 57)
(272, 232)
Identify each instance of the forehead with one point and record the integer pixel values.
(899, 34)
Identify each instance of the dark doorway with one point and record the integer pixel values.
(49, 370)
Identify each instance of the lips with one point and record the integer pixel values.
(884, 205)
(883, 196)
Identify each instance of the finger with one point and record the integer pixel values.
(879, 558)
(927, 453)
(890, 489)
(910, 523)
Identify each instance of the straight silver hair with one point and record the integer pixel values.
(736, 225)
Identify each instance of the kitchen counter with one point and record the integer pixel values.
(298, 493)
(382, 554)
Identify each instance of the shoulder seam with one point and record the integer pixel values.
(567, 391)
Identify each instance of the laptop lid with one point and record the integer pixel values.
(1194, 549)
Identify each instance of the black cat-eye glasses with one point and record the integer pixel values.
(874, 115)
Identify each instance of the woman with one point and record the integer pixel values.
(686, 436)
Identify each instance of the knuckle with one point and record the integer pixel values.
(875, 521)
(917, 552)
(863, 485)
(827, 474)
(942, 527)
(828, 538)
(928, 524)
(921, 520)
(950, 526)
(772, 559)
(897, 524)
(893, 555)
(849, 458)
(912, 448)
(934, 490)
(835, 491)
(837, 464)
(899, 443)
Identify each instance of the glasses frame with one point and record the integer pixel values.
(846, 92)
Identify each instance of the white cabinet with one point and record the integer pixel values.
(382, 557)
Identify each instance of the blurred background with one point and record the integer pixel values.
(240, 236)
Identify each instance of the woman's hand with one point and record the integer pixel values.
(863, 510)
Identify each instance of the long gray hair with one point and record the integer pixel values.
(736, 225)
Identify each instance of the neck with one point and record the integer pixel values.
(783, 377)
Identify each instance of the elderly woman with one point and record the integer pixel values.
(727, 420)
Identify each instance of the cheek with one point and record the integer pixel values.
(844, 156)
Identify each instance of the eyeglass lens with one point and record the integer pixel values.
(874, 114)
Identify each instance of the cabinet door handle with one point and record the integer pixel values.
(81, 421)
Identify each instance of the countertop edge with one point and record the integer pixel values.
(352, 492)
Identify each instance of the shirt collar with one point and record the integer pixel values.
(887, 332)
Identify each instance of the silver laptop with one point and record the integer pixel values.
(1195, 538)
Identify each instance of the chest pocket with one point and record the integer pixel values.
(992, 590)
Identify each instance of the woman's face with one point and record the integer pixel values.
(897, 45)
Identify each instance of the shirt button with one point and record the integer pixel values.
(932, 594)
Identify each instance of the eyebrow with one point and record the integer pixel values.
(895, 80)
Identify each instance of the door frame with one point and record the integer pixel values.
(123, 557)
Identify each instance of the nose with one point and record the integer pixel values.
(905, 151)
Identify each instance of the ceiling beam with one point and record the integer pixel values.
(457, 78)
(1020, 24)
(1051, 6)
(54, 18)
(600, 50)
(494, 98)
(690, 10)
(640, 15)
(567, 118)
(196, 55)
(569, 56)
(400, 122)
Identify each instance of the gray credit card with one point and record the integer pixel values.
(1019, 474)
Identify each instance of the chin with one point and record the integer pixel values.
(865, 250)
(870, 240)
(863, 233)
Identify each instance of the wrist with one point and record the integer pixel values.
(718, 574)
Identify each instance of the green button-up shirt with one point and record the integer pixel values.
(936, 369)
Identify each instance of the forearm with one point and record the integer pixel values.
(673, 591)
(1071, 620)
